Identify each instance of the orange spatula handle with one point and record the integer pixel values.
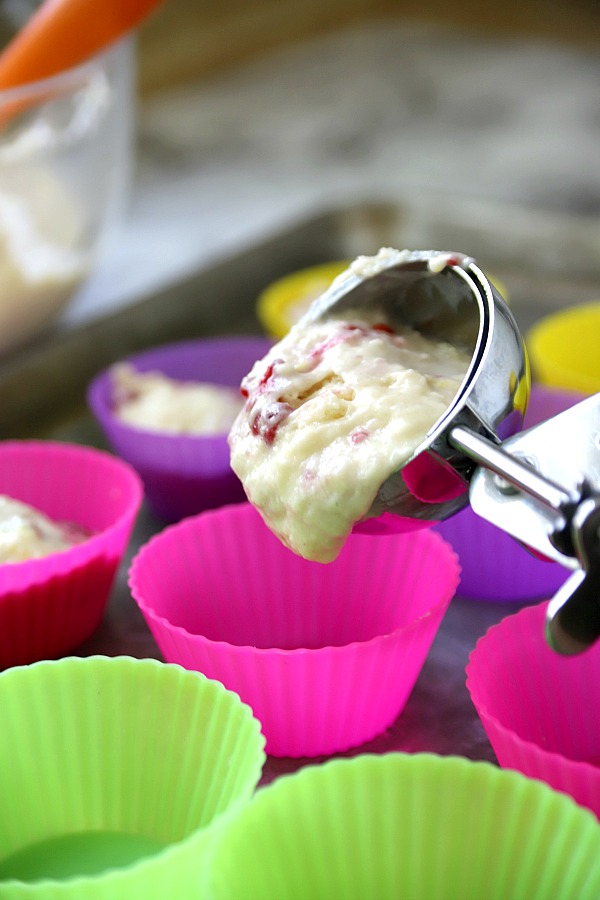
(63, 33)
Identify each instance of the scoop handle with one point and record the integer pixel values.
(64, 33)
(573, 614)
(514, 471)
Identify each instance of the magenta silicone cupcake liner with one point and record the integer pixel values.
(182, 474)
(50, 605)
(493, 565)
(326, 656)
(539, 709)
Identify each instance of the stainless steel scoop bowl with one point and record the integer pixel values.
(444, 296)
(474, 454)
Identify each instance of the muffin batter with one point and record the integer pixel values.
(154, 402)
(26, 533)
(43, 255)
(333, 410)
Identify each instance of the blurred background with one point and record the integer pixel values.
(250, 115)
(205, 36)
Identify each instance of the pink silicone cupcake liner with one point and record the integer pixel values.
(493, 565)
(182, 475)
(539, 709)
(50, 605)
(326, 656)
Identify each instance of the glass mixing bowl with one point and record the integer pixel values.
(66, 149)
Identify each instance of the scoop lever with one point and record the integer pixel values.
(573, 615)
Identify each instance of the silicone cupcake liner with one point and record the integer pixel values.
(407, 826)
(326, 656)
(563, 348)
(182, 474)
(50, 605)
(495, 566)
(539, 709)
(545, 402)
(115, 775)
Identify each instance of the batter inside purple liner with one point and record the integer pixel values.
(153, 401)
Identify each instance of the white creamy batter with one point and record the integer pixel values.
(333, 410)
(154, 402)
(26, 533)
(43, 258)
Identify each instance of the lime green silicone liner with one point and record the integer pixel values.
(418, 827)
(114, 774)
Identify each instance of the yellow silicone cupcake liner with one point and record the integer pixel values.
(565, 349)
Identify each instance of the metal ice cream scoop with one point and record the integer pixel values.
(542, 486)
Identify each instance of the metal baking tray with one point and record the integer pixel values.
(544, 261)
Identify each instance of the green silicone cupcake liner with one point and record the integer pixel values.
(418, 827)
(114, 775)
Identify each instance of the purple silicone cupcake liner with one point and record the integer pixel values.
(182, 475)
